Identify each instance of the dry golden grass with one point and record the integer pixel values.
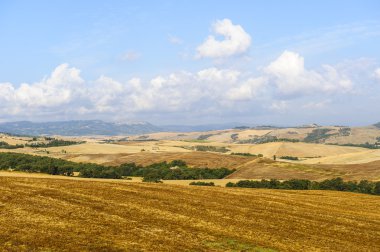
(318, 161)
(358, 135)
(363, 156)
(17, 174)
(67, 215)
(247, 167)
(311, 153)
(267, 169)
(193, 159)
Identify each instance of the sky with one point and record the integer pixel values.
(191, 62)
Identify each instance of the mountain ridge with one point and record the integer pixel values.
(77, 128)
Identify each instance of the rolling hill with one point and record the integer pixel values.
(77, 128)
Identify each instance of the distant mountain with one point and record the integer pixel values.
(77, 128)
(205, 127)
(377, 125)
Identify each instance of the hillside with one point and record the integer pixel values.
(317, 134)
(268, 169)
(68, 215)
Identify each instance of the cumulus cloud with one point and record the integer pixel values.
(218, 75)
(248, 90)
(289, 75)
(235, 41)
(104, 93)
(210, 90)
(60, 88)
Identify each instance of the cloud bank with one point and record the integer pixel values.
(281, 85)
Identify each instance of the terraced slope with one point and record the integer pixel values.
(67, 215)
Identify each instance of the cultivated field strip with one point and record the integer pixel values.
(40, 214)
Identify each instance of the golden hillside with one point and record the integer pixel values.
(68, 215)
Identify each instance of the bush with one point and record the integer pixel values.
(290, 158)
(377, 188)
(336, 184)
(246, 154)
(178, 163)
(204, 137)
(230, 184)
(201, 183)
(152, 176)
(211, 148)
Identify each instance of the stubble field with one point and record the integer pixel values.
(47, 214)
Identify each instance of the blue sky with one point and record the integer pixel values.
(191, 62)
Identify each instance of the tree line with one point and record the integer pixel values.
(5, 145)
(246, 154)
(335, 184)
(52, 142)
(176, 169)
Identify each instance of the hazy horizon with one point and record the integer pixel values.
(221, 124)
(191, 63)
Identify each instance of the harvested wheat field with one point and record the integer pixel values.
(66, 215)
(193, 159)
(267, 169)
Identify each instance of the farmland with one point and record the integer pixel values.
(72, 215)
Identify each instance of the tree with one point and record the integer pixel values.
(365, 186)
(152, 176)
(377, 188)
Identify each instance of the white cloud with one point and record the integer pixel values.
(288, 65)
(236, 41)
(213, 90)
(218, 75)
(377, 73)
(104, 93)
(60, 88)
(290, 77)
(248, 90)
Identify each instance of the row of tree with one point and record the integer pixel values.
(5, 145)
(246, 154)
(290, 158)
(176, 169)
(52, 143)
(336, 184)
